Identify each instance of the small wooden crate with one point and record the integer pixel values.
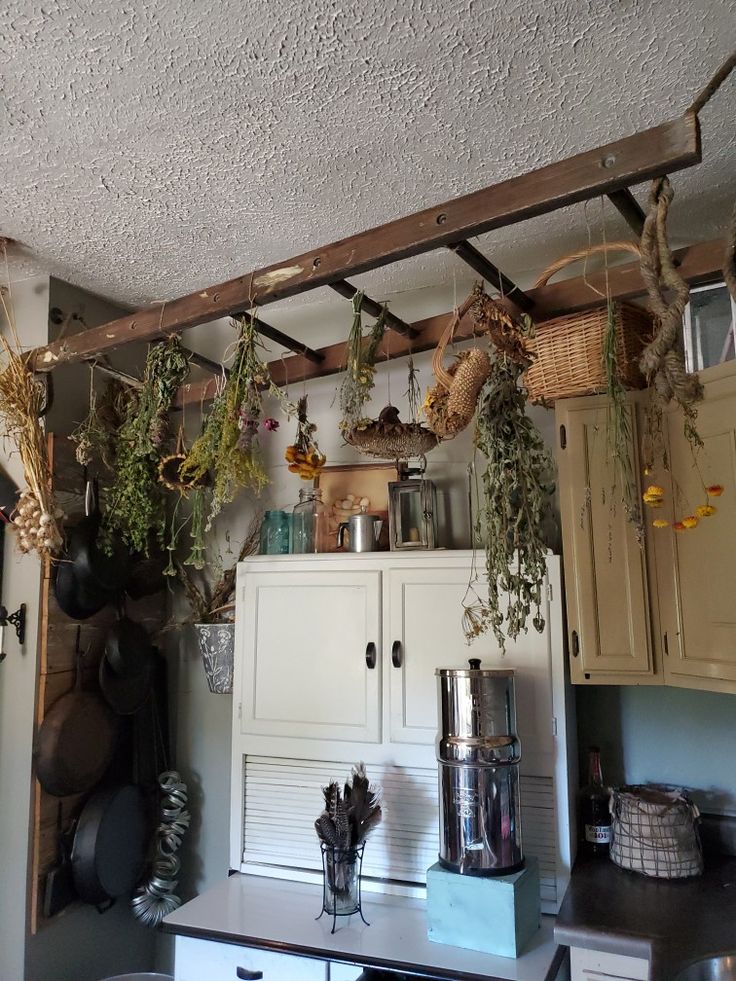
(568, 352)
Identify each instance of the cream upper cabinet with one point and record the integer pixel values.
(697, 568)
(606, 578)
(311, 649)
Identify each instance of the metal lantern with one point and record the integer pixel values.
(411, 511)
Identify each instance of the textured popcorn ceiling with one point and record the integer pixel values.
(149, 149)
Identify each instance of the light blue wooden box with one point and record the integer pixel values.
(497, 915)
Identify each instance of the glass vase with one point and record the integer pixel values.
(341, 870)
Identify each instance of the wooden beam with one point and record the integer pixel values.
(661, 150)
(700, 263)
(629, 209)
(278, 336)
(373, 309)
(492, 274)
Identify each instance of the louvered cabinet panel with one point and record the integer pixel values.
(282, 797)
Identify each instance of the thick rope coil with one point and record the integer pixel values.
(661, 362)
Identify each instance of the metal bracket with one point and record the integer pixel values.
(17, 620)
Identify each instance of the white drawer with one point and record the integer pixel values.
(206, 960)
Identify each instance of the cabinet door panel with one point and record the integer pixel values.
(605, 566)
(697, 568)
(207, 960)
(425, 616)
(304, 664)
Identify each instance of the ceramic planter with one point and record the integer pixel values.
(217, 647)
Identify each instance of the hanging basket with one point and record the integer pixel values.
(387, 438)
(568, 351)
(450, 404)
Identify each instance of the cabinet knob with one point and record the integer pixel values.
(575, 644)
(397, 654)
(245, 975)
(370, 655)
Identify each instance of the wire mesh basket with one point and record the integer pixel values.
(655, 832)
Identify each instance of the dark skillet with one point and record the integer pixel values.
(76, 741)
(127, 647)
(79, 600)
(126, 695)
(92, 564)
(109, 844)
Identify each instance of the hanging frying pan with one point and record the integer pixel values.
(90, 562)
(80, 601)
(147, 574)
(109, 844)
(126, 694)
(76, 741)
(127, 647)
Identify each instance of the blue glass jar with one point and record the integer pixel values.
(275, 533)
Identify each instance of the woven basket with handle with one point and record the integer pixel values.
(450, 403)
(568, 351)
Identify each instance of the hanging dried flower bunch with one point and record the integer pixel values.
(303, 456)
(358, 380)
(516, 488)
(22, 402)
(228, 447)
(136, 506)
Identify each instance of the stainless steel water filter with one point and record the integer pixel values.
(478, 752)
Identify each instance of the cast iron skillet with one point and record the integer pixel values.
(90, 562)
(127, 647)
(109, 844)
(78, 600)
(127, 694)
(76, 741)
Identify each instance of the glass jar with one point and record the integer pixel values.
(275, 533)
(310, 523)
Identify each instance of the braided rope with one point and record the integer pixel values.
(661, 361)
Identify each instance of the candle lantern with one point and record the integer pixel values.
(411, 515)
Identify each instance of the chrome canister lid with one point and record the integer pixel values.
(474, 671)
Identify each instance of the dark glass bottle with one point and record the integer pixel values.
(595, 816)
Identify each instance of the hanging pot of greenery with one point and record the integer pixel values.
(515, 489)
(136, 507)
(229, 447)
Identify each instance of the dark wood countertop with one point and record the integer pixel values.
(668, 922)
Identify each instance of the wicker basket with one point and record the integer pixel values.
(568, 351)
(654, 832)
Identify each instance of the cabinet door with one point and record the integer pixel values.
(311, 663)
(424, 616)
(207, 960)
(609, 629)
(594, 965)
(697, 568)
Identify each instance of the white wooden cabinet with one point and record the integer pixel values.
(311, 654)
(595, 965)
(207, 960)
(308, 706)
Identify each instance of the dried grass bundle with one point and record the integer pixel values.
(22, 400)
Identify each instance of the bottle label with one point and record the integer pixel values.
(598, 834)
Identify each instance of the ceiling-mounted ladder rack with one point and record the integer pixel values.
(605, 170)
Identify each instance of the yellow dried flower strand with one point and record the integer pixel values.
(690, 521)
(705, 510)
(660, 523)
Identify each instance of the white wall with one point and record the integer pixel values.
(21, 584)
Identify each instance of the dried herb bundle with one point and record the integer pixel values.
(206, 600)
(351, 814)
(228, 447)
(136, 508)
(357, 383)
(514, 503)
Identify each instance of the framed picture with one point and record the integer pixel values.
(346, 489)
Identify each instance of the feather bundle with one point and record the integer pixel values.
(351, 814)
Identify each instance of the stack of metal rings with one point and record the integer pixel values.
(156, 899)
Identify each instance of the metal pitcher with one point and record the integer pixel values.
(364, 530)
